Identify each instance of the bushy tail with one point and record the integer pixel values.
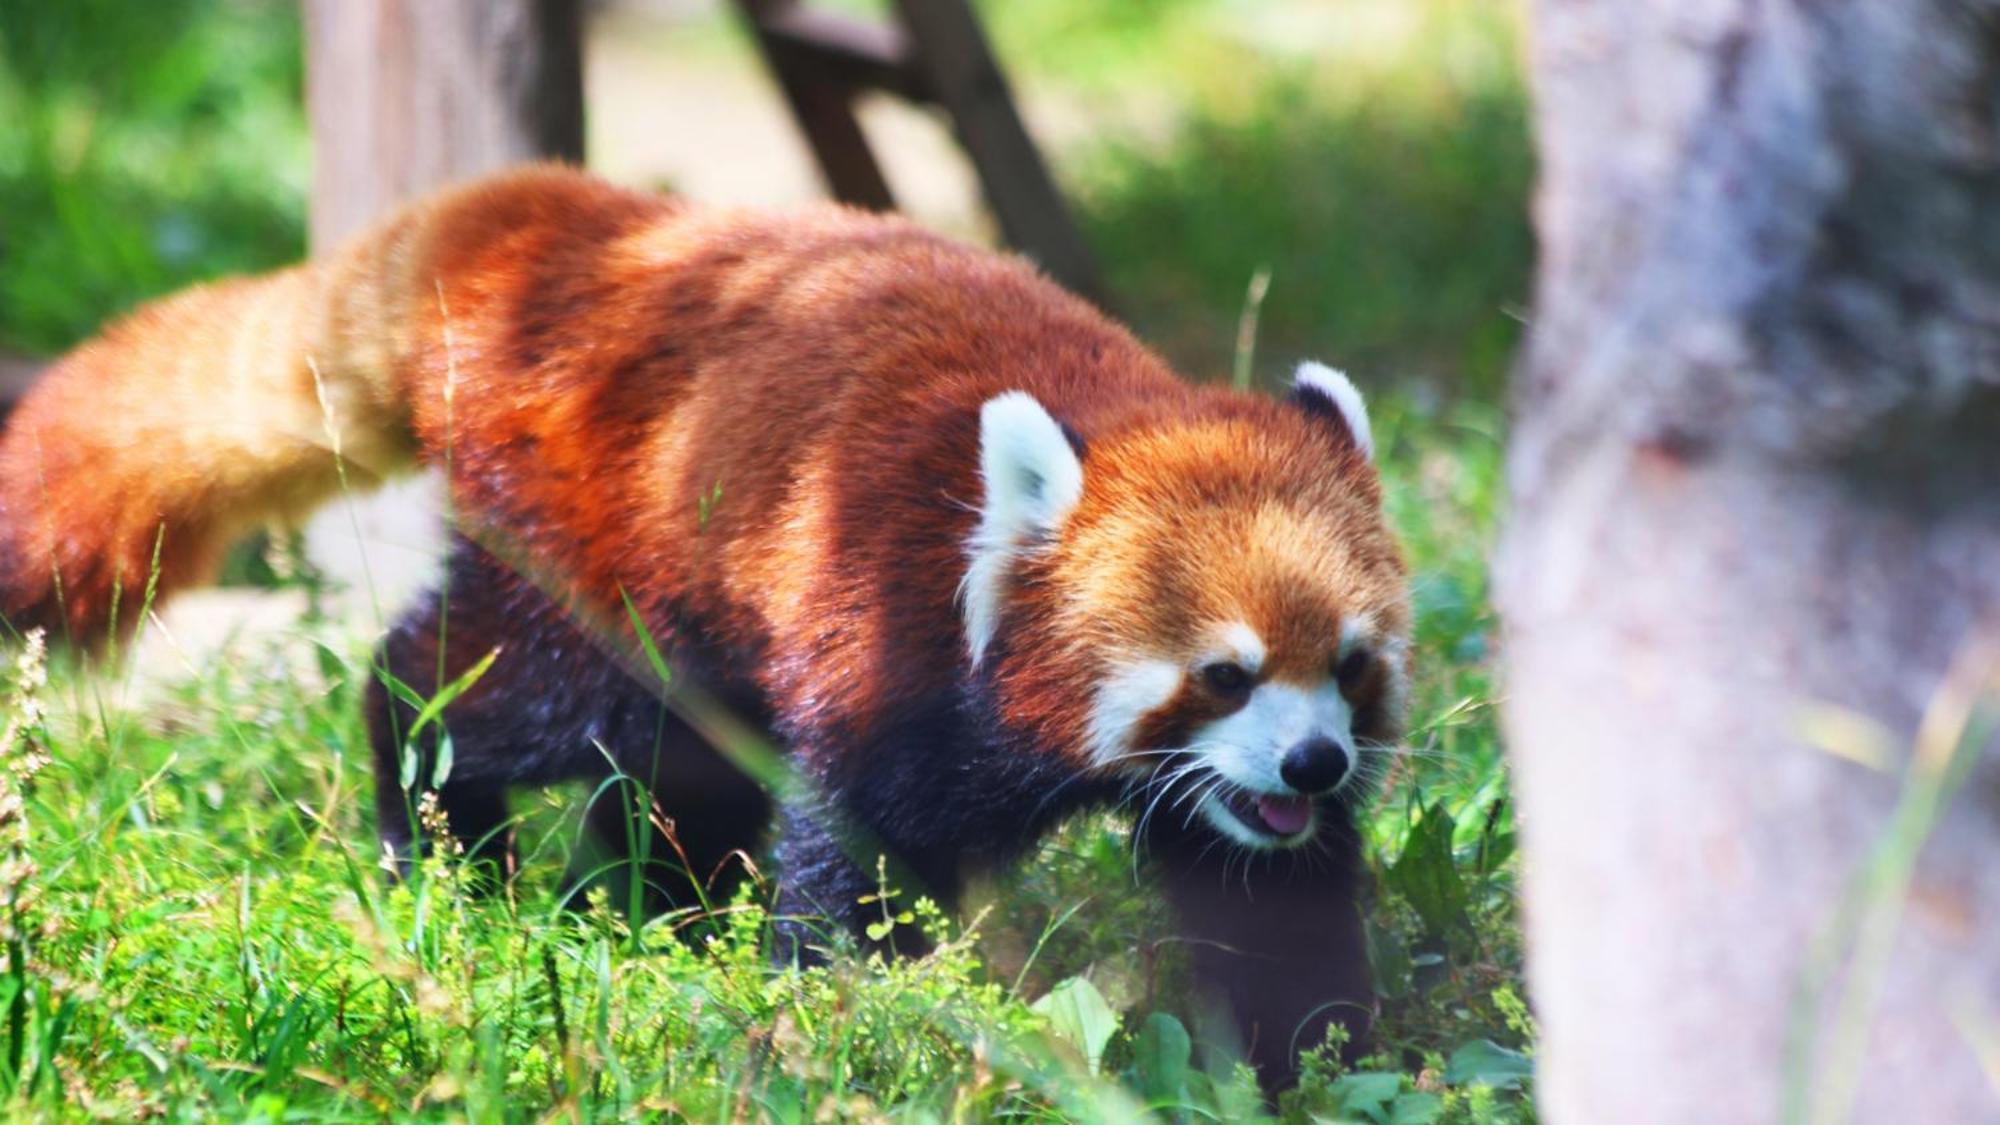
(141, 455)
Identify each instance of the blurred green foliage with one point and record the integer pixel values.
(1377, 165)
(1387, 200)
(146, 146)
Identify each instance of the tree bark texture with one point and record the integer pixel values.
(1756, 483)
(409, 95)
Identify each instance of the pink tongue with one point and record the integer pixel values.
(1287, 816)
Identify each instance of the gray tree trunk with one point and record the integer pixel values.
(1756, 477)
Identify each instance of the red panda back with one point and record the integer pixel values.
(593, 362)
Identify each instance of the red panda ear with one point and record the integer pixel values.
(1321, 391)
(1033, 477)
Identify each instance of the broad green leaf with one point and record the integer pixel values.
(1077, 1013)
(1162, 1052)
(1487, 1063)
(1427, 877)
(1367, 1094)
(1415, 1108)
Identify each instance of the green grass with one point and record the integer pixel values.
(201, 927)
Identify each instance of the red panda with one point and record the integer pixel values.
(972, 554)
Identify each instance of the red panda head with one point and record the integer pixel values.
(1205, 605)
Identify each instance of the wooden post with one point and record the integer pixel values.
(820, 64)
(933, 53)
(408, 95)
(958, 67)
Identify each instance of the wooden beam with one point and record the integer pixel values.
(958, 64)
(846, 52)
(817, 72)
(934, 54)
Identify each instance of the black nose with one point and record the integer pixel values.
(1315, 765)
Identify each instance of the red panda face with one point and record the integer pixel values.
(1212, 609)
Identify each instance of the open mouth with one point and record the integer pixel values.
(1266, 818)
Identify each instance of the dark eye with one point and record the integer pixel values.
(1225, 678)
(1349, 669)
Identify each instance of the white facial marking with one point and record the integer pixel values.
(1246, 747)
(1241, 644)
(1336, 387)
(1355, 631)
(1134, 690)
(1394, 653)
(1391, 651)
(1032, 479)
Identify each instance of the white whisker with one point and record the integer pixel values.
(1219, 782)
(1180, 774)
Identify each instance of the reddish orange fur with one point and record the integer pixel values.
(596, 360)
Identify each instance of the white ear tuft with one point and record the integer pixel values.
(1033, 478)
(1320, 381)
